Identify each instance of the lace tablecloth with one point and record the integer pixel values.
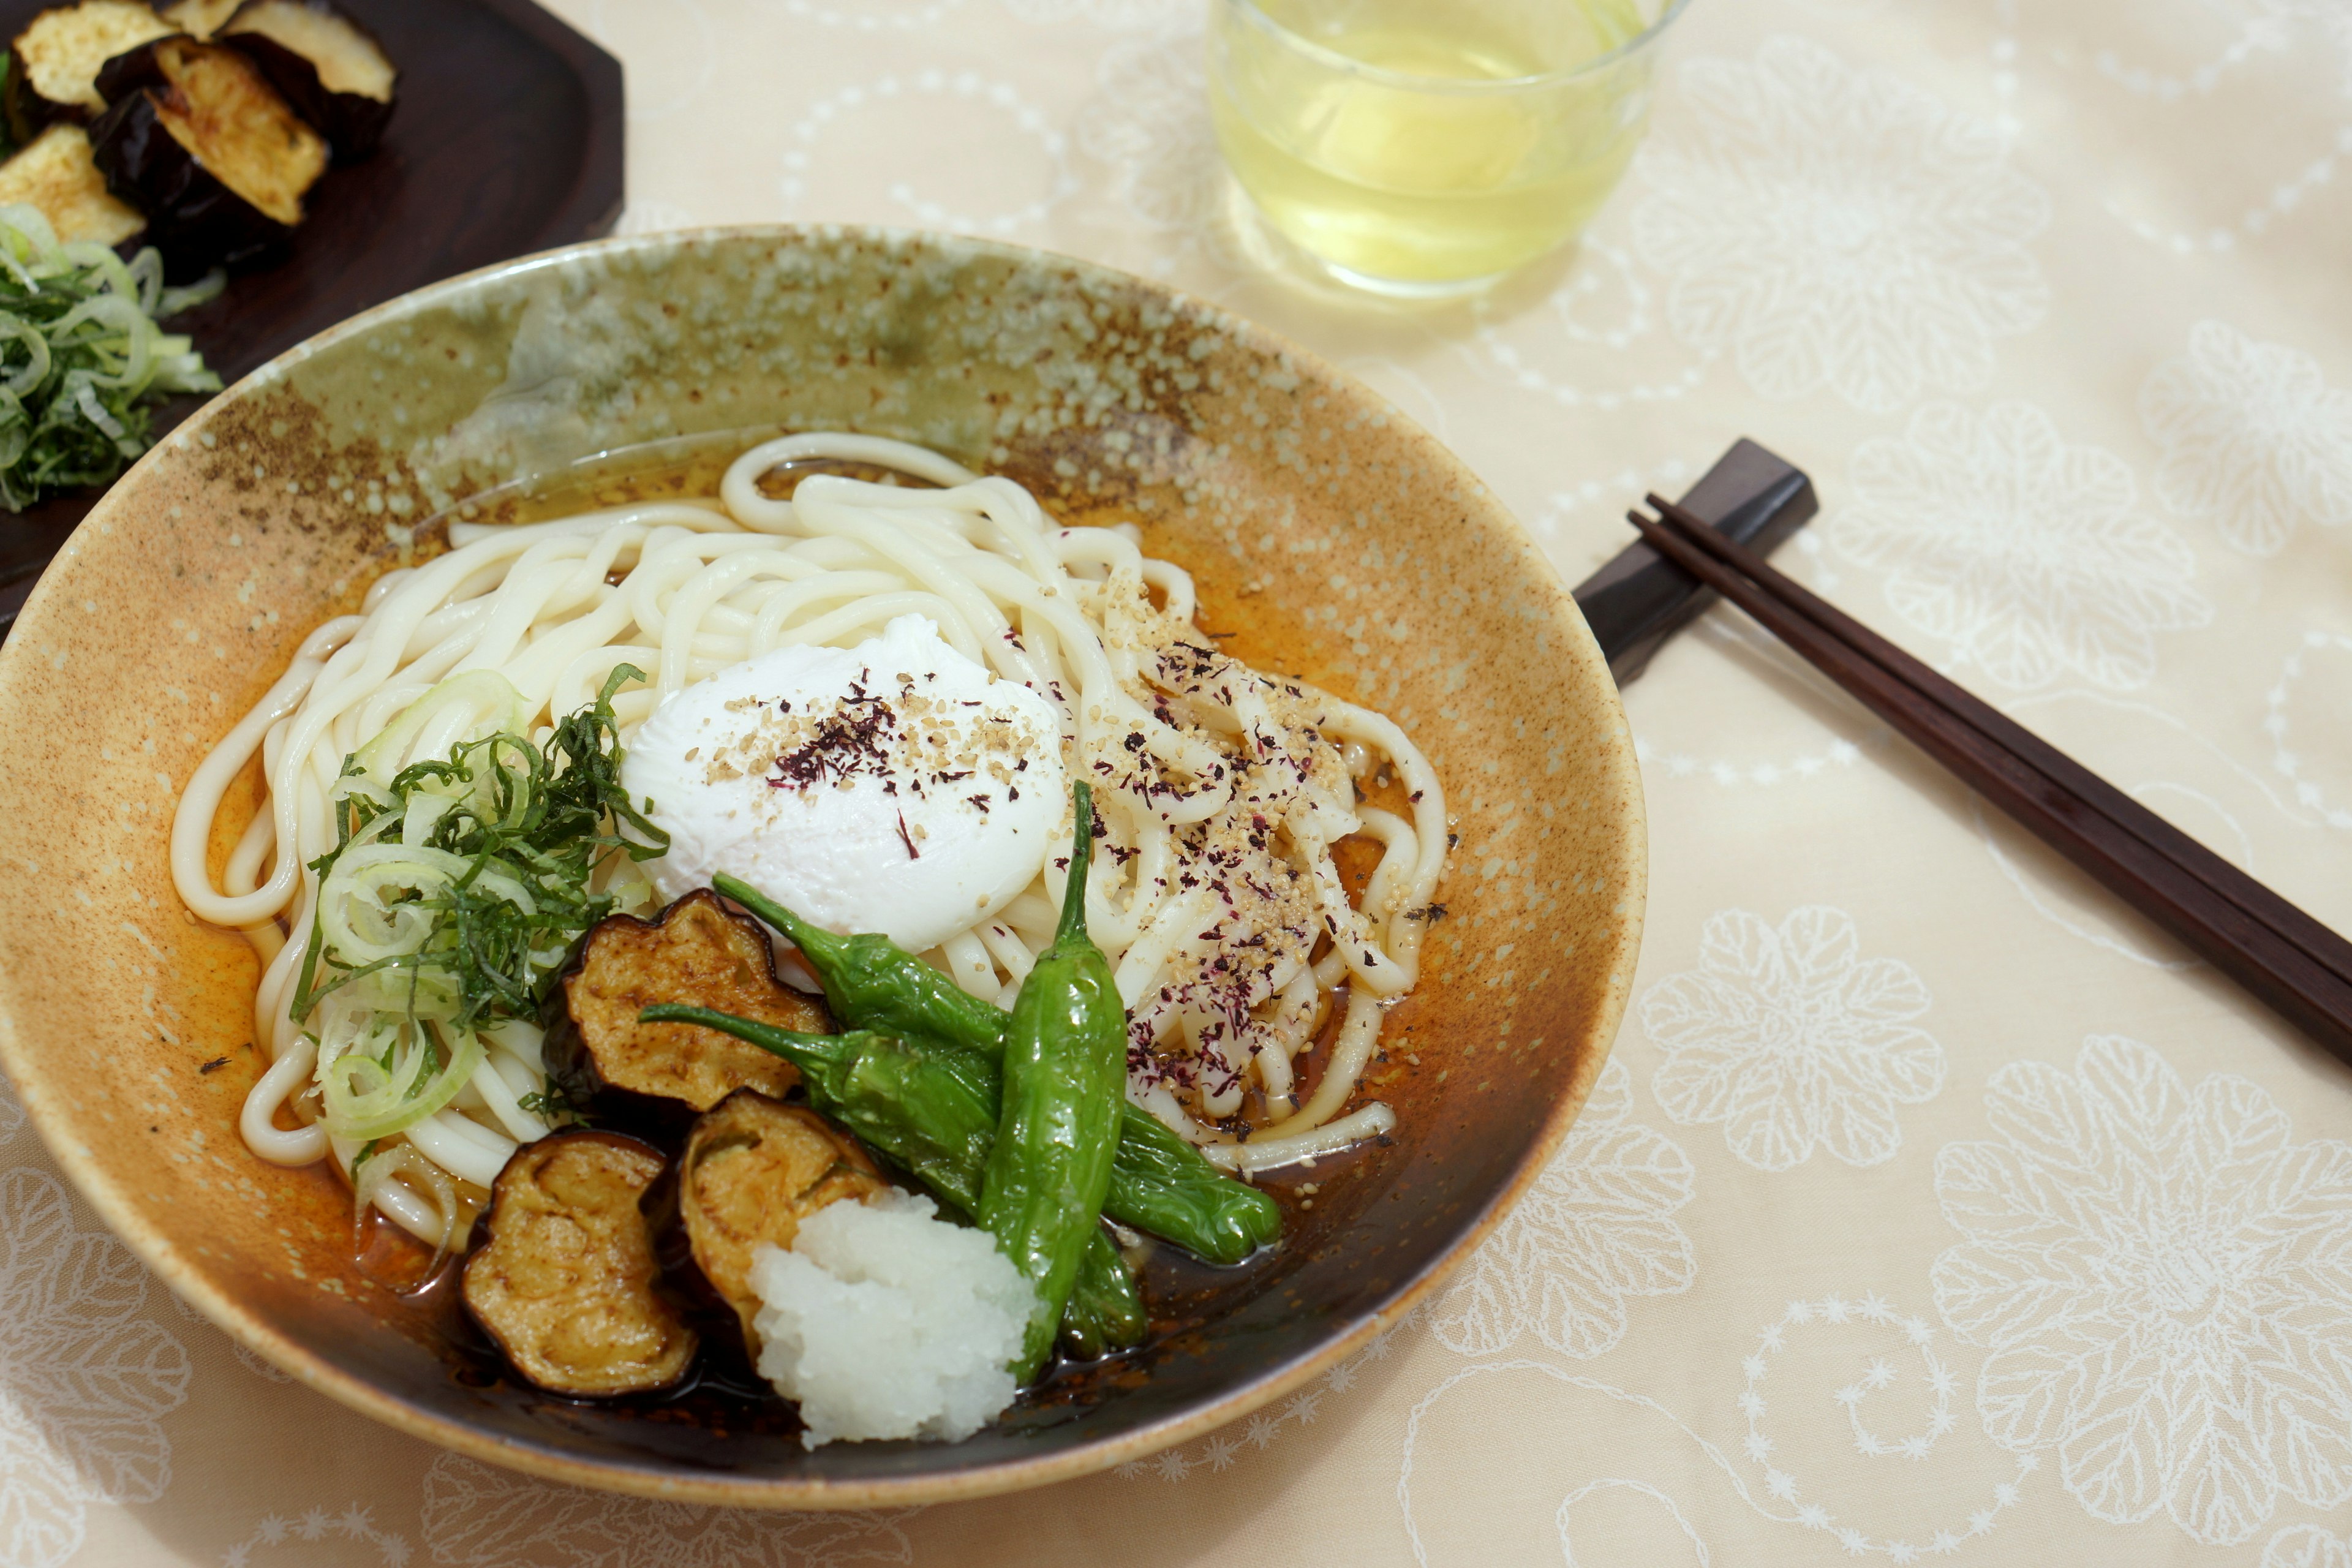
(1932, 1205)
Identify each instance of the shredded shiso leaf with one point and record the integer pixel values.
(81, 356)
(455, 890)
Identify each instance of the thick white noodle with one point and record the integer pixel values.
(682, 589)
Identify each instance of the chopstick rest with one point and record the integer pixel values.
(2293, 964)
(1638, 599)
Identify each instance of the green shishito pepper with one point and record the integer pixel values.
(933, 1110)
(1064, 1080)
(1106, 1311)
(1160, 1183)
(872, 983)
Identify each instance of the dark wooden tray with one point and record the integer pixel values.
(507, 139)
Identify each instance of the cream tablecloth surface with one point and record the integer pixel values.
(1932, 1205)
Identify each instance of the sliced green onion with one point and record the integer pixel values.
(81, 357)
(478, 701)
(468, 860)
(363, 1099)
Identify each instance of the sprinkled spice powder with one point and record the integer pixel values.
(906, 737)
(1250, 873)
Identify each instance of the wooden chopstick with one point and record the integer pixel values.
(2258, 901)
(2299, 967)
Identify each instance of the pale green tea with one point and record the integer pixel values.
(1427, 144)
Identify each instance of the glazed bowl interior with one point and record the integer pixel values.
(1329, 539)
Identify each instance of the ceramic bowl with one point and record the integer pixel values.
(1330, 537)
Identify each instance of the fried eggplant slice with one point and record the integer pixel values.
(53, 64)
(55, 174)
(329, 68)
(200, 19)
(563, 1278)
(198, 139)
(698, 952)
(751, 1171)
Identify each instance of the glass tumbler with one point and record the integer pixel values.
(1427, 147)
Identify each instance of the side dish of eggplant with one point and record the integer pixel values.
(202, 129)
(617, 1251)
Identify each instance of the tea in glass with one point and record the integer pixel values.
(1430, 146)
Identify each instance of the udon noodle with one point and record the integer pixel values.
(1223, 789)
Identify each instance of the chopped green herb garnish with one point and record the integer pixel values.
(520, 820)
(552, 1103)
(454, 893)
(81, 357)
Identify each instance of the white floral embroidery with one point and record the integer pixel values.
(1748, 745)
(1846, 1318)
(1880, 1375)
(1587, 346)
(2290, 696)
(863, 114)
(1221, 1449)
(2026, 555)
(1563, 521)
(1838, 227)
(83, 1376)
(1564, 1517)
(2254, 439)
(1784, 768)
(355, 1524)
(1777, 1494)
(2279, 174)
(2164, 1280)
(477, 1517)
(873, 16)
(246, 1358)
(1596, 1227)
(1120, 14)
(2265, 27)
(1791, 1040)
(2306, 1546)
(1149, 123)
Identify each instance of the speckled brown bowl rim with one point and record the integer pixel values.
(161, 1255)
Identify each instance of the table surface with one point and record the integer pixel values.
(1932, 1205)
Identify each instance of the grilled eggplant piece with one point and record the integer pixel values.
(751, 1171)
(329, 68)
(198, 138)
(53, 64)
(563, 1277)
(656, 1076)
(200, 19)
(55, 174)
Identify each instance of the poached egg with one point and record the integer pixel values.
(895, 786)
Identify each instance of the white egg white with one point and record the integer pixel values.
(895, 787)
